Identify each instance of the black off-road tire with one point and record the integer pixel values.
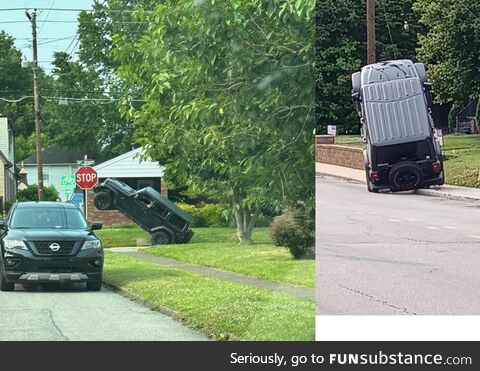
(369, 182)
(103, 200)
(405, 176)
(161, 238)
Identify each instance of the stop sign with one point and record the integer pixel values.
(86, 177)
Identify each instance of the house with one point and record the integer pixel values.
(58, 161)
(132, 170)
(8, 182)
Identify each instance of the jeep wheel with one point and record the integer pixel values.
(369, 182)
(405, 176)
(102, 200)
(94, 285)
(161, 238)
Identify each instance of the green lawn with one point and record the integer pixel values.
(462, 162)
(218, 248)
(221, 309)
(121, 237)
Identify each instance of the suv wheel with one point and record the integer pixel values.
(94, 285)
(161, 238)
(103, 201)
(4, 284)
(405, 176)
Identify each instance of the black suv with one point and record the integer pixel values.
(49, 242)
(157, 215)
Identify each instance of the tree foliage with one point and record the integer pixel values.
(451, 47)
(228, 89)
(341, 49)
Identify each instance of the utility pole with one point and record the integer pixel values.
(371, 52)
(38, 124)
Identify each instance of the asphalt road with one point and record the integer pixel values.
(71, 313)
(395, 253)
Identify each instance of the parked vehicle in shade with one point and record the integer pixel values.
(157, 215)
(45, 242)
(394, 103)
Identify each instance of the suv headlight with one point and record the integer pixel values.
(94, 244)
(10, 244)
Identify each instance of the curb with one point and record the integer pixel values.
(443, 194)
(430, 192)
(168, 312)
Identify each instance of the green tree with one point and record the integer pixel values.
(341, 49)
(451, 48)
(31, 193)
(84, 113)
(229, 99)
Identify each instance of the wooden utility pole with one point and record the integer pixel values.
(371, 52)
(38, 124)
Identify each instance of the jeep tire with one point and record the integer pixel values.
(161, 238)
(103, 200)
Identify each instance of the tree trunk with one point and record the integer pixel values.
(246, 220)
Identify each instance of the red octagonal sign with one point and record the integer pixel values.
(86, 177)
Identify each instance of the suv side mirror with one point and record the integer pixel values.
(96, 226)
(2, 224)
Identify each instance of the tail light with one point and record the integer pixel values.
(436, 167)
(374, 176)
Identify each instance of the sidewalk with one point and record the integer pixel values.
(299, 292)
(445, 191)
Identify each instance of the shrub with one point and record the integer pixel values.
(295, 230)
(31, 193)
(206, 215)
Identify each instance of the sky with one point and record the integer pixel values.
(47, 31)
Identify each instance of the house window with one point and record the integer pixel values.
(46, 176)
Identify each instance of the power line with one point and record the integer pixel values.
(73, 10)
(125, 3)
(49, 11)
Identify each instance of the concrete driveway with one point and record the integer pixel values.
(395, 253)
(71, 313)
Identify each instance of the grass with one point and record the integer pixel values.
(121, 237)
(462, 163)
(221, 309)
(218, 248)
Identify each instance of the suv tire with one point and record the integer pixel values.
(103, 200)
(94, 285)
(405, 176)
(161, 238)
(4, 284)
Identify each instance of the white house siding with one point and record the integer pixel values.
(129, 165)
(6, 139)
(55, 172)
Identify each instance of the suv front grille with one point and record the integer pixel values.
(43, 247)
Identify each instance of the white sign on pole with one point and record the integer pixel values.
(439, 136)
(332, 130)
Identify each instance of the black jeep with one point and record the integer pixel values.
(164, 220)
(394, 103)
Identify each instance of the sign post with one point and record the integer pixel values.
(86, 178)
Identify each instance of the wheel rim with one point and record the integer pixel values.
(406, 180)
(161, 239)
(102, 202)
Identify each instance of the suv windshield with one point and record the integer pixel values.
(48, 217)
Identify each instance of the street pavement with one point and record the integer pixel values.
(402, 253)
(71, 313)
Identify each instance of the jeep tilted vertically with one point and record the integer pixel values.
(393, 101)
